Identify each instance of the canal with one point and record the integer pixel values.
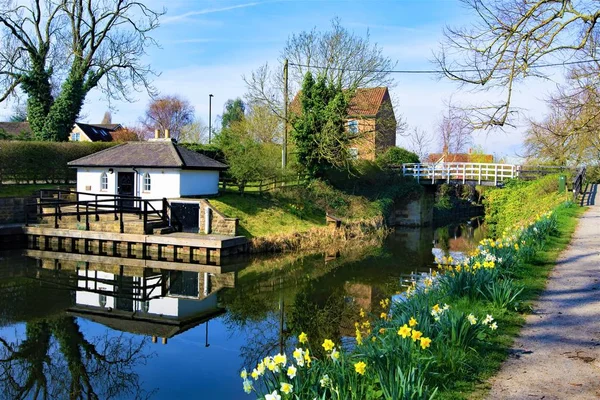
(100, 330)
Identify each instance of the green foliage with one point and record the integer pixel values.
(248, 159)
(397, 156)
(234, 111)
(210, 150)
(319, 131)
(503, 293)
(22, 161)
(520, 201)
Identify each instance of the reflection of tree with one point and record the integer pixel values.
(56, 361)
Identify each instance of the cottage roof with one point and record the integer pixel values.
(98, 132)
(162, 154)
(15, 128)
(366, 102)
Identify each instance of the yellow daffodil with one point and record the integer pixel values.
(244, 374)
(247, 386)
(404, 331)
(291, 372)
(255, 374)
(381, 331)
(299, 357)
(436, 308)
(472, 319)
(280, 359)
(307, 357)
(286, 388)
(303, 338)
(362, 313)
(383, 315)
(412, 322)
(335, 355)
(416, 335)
(425, 342)
(328, 345)
(360, 367)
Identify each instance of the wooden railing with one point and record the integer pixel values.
(263, 185)
(478, 173)
(89, 206)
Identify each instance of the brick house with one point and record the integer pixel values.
(371, 121)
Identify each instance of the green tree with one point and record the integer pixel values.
(319, 130)
(248, 159)
(397, 156)
(55, 52)
(233, 111)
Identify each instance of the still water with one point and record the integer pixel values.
(114, 330)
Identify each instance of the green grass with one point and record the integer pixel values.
(26, 190)
(533, 275)
(265, 215)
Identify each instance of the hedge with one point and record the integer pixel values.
(42, 162)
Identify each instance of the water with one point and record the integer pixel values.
(116, 331)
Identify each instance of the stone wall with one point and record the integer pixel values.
(414, 213)
(219, 223)
(12, 209)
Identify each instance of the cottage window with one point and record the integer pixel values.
(353, 152)
(353, 126)
(147, 182)
(104, 181)
(75, 136)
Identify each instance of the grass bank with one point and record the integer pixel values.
(26, 190)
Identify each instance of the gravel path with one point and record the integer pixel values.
(557, 354)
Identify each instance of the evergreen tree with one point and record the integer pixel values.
(234, 111)
(319, 131)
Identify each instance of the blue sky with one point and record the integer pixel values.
(207, 45)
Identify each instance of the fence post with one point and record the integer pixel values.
(87, 216)
(479, 176)
(96, 205)
(121, 223)
(496, 175)
(145, 215)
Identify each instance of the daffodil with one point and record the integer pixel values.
(335, 355)
(416, 335)
(303, 338)
(494, 326)
(383, 315)
(298, 355)
(362, 313)
(381, 331)
(244, 374)
(360, 367)
(412, 322)
(404, 331)
(280, 359)
(488, 320)
(260, 368)
(255, 374)
(436, 308)
(325, 381)
(286, 388)
(425, 342)
(307, 357)
(273, 396)
(472, 319)
(328, 345)
(247, 386)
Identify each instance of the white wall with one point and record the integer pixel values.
(199, 183)
(90, 177)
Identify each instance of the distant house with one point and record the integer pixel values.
(469, 157)
(370, 118)
(93, 132)
(15, 130)
(155, 169)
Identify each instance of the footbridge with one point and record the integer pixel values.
(484, 174)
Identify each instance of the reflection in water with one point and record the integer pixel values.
(89, 333)
(458, 239)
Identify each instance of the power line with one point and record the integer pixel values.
(433, 71)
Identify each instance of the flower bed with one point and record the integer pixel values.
(434, 335)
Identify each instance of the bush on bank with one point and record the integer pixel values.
(435, 336)
(42, 162)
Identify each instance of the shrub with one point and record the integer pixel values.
(34, 161)
(397, 156)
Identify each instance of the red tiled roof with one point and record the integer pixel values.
(461, 157)
(366, 102)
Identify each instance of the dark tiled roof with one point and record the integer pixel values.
(98, 132)
(366, 102)
(15, 128)
(162, 154)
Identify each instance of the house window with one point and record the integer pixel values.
(104, 181)
(75, 136)
(353, 126)
(353, 152)
(147, 182)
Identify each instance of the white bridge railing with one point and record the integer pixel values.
(481, 173)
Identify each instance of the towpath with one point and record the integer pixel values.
(557, 354)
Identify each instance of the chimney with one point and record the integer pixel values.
(470, 150)
(167, 134)
(156, 134)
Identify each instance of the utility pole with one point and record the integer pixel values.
(285, 115)
(210, 96)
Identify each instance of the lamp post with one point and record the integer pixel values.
(210, 96)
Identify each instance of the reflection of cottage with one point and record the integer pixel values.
(160, 304)
(93, 132)
(150, 170)
(370, 120)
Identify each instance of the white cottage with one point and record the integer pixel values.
(150, 170)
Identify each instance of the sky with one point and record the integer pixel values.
(207, 46)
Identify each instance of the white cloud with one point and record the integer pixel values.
(175, 18)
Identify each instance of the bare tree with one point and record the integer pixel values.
(56, 51)
(168, 112)
(194, 132)
(342, 56)
(509, 41)
(419, 141)
(455, 130)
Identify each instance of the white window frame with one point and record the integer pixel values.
(104, 182)
(76, 137)
(147, 183)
